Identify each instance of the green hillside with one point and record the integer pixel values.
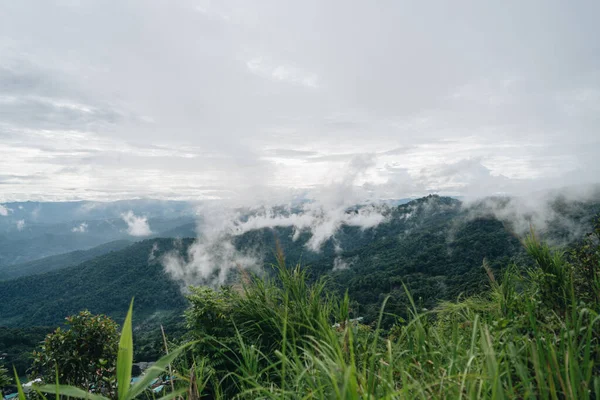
(433, 245)
(51, 263)
(105, 284)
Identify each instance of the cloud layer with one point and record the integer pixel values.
(212, 100)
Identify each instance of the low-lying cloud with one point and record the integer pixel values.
(136, 226)
(564, 211)
(81, 228)
(321, 213)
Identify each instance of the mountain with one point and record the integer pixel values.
(50, 213)
(35, 241)
(434, 245)
(104, 284)
(51, 263)
(183, 231)
(34, 230)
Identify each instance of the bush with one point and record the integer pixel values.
(84, 354)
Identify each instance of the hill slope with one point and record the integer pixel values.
(104, 284)
(433, 245)
(52, 263)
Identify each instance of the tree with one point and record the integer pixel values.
(84, 354)
(4, 378)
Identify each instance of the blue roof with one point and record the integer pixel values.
(158, 389)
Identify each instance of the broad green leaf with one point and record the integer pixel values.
(125, 356)
(154, 371)
(70, 391)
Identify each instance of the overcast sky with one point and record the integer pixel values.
(202, 99)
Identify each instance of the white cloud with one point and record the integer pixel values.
(3, 210)
(81, 228)
(340, 263)
(136, 226)
(20, 224)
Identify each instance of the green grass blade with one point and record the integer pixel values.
(154, 371)
(174, 394)
(19, 387)
(70, 391)
(125, 356)
(56, 383)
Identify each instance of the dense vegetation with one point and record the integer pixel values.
(534, 333)
(104, 285)
(59, 261)
(17, 345)
(426, 253)
(83, 354)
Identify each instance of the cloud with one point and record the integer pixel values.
(136, 226)
(81, 228)
(213, 255)
(20, 225)
(282, 73)
(3, 210)
(563, 211)
(278, 96)
(340, 264)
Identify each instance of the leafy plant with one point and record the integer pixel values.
(83, 354)
(125, 391)
(4, 378)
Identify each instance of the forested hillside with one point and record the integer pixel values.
(433, 245)
(51, 263)
(105, 284)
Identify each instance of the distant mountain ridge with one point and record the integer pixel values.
(64, 260)
(105, 284)
(35, 241)
(433, 245)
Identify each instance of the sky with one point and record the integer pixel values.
(106, 100)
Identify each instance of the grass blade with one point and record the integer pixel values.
(70, 391)
(125, 356)
(154, 371)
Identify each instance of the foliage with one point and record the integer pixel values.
(83, 354)
(4, 378)
(209, 320)
(514, 341)
(283, 336)
(125, 390)
(529, 330)
(59, 261)
(17, 344)
(586, 258)
(103, 285)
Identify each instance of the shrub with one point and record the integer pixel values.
(83, 354)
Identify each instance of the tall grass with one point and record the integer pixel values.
(526, 338)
